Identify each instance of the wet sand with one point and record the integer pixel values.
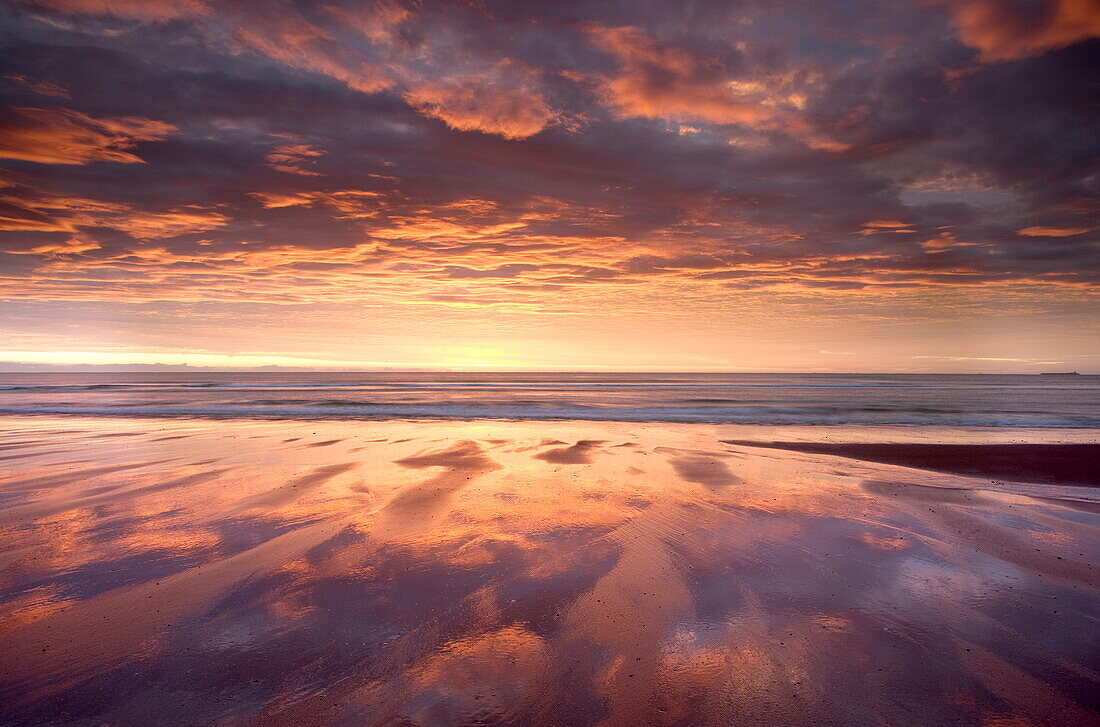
(177, 572)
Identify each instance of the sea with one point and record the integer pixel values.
(772, 399)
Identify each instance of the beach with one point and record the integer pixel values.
(431, 572)
(391, 363)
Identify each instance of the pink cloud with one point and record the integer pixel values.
(669, 83)
(44, 88)
(294, 159)
(1054, 231)
(149, 10)
(501, 101)
(1006, 31)
(63, 136)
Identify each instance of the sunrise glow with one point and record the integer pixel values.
(384, 184)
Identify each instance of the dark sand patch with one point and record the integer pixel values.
(462, 462)
(705, 471)
(8, 434)
(27, 455)
(326, 443)
(71, 477)
(575, 454)
(366, 444)
(21, 443)
(464, 456)
(1016, 546)
(695, 452)
(297, 487)
(1088, 506)
(924, 493)
(1053, 464)
(102, 496)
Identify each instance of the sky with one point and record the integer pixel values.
(726, 185)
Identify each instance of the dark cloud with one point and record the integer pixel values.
(830, 147)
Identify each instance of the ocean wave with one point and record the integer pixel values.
(413, 385)
(728, 415)
(1004, 401)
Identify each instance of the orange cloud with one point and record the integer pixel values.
(1004, 31)
(654, 82)
(45, 88)
(499, 102)
(886, 223)
(947, 240)
(375, 21)
(292, 158)
(668, 83)
(68, 214)
(1054, 231)
(17, 217)
(63, 136)
(155, 225)
(351, 203)
(302, 45)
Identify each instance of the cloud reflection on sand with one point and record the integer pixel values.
(436, 573)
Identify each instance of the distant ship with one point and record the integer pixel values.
(1059, 373)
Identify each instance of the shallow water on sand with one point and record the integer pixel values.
(545, 573)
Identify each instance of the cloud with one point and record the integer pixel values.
(47, 213)
(512, 270)
(670, 83)
(299, 44)
(277, 30)
(155, 225)
(1054, 231)
(1007, 30)
(43, 88)
(375, 20)
(656, 81)
(350, 203)
(604, 162)
(295, 159)
(499, 102)
(64, 136)
(149, 10)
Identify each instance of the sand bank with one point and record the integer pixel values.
(1055, 464)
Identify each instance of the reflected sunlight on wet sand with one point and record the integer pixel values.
(534, 573)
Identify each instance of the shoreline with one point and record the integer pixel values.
(234, 415)
(896, 431)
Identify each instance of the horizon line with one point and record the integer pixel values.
(187, 369)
